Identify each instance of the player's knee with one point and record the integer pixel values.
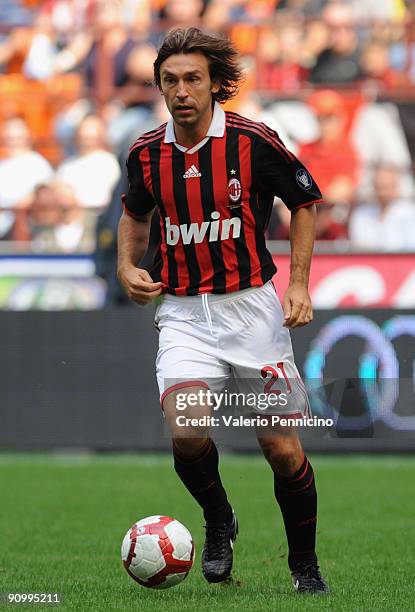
(188, 447)
(188, 436)
(284, 456)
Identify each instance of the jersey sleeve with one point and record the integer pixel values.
(138, 200)
(277, 171)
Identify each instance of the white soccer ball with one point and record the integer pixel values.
(158, 552)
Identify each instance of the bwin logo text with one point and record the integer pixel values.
(214, 230)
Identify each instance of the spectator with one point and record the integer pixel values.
(387, 223)
(107, 224)
(327, 227)
(217, 15)
(132, 126)
(117, 68)
(67, 16)
(101, 52)
(294, 121)
(380, 147)
(111, 44)
(94, 171)
(249, 106)
(339, 62)
(14, 49)
(279, 58)
(402, 51)
(375, 67)
(42, 51)
(330, 225)
(332, 159)
(135, 101)
(137, 15)
(258, 12)
(182, 13)
(224, 14)
(58, 223)
(131, 103)
(43, 216)
(316, 38)
(21, 170)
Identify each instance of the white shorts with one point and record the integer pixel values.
(207, 340)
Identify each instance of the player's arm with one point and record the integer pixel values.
(297, 306)
(282, 174)
(133, 237)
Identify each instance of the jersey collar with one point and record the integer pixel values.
(216, 129)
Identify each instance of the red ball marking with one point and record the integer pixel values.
(133, 540)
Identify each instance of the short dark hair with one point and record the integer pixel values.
(223, 58)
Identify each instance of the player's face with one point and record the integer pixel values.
(187, 87)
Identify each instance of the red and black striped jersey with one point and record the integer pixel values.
(215, 201)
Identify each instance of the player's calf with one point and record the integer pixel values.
(296, 494)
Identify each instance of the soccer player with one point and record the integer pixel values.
(213, 176)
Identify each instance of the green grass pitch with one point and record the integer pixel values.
(63, 519)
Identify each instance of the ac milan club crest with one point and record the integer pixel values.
(234, 190)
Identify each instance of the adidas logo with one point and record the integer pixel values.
(192, 172)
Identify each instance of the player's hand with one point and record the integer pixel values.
(139, 285)
(297, 307)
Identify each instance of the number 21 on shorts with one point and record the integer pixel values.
(275, 375)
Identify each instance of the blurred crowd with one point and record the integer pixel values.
(335, 78)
